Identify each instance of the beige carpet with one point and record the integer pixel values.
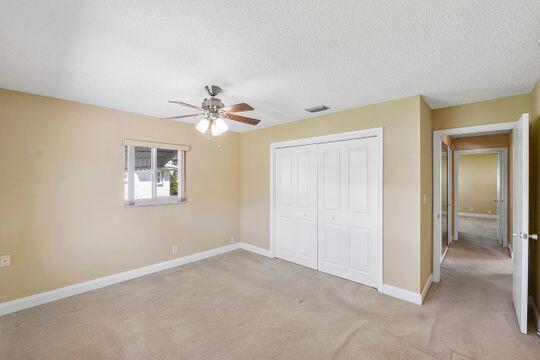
(244, 306)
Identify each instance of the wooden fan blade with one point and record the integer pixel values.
(179, 117)
(238, 108)
(243, 119)
(184, 104)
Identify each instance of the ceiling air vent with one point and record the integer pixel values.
(317, 109)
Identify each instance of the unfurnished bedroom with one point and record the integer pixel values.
(269, 179)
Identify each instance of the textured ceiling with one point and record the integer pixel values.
(279, 56)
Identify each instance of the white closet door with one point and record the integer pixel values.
(296, 205)
(349, 197)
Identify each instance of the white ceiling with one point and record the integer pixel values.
(279, 56)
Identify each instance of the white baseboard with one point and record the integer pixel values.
(71, 290)
(536, 315)
(64, 292)
(402, 294)
(426, 288)
(478, 215)
(444, 254)
(256, 249)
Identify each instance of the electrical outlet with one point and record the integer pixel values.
(5, 261)
(174, 250)
(232, 239)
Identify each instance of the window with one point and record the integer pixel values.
(154, 173)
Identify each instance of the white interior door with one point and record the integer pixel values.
(499, 199)
(520, 238)
(349, 204)
(296, 205)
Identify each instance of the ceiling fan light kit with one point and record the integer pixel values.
(214, 112)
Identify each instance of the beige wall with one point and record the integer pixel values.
(426, 193)
(477, 179)
(481, 142)
(482, 113)
(65, 223)
(401, 122)
(62, 214)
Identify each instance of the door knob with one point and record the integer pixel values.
(526, 236)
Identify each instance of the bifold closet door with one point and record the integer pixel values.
(296, 205)
(348, 198)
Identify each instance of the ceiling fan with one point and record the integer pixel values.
(214, 112)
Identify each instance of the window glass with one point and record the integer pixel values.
(153, 175)
(142, 176)
(167, 172)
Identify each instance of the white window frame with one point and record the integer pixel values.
(154, 146)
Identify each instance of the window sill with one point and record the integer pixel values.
(155, 202)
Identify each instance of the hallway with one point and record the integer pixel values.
(476, 294)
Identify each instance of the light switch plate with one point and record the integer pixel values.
(5, 261)
(174, 250)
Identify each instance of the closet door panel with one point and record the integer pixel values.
(296, 205)
(348, 187)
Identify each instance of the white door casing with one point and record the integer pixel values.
(348, 199)
(437, 139)
(296, 205)
(520, 223)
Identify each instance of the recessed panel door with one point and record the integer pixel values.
(520, 223)
(296, 205)
(349, 204)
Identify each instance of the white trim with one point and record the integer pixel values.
(402, 294)
(444, 254)
(161, 200)
(426, 288)
(536, 315)
(481, 151)
(351, 135)
(366, 133)
(407, 295)
(511, 250)
(479, 130)
(437, 136)
(255, 249)
(80, 288)
(478, 215)
(71, 290)
(166, 146)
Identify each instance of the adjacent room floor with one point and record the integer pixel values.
(245, 306)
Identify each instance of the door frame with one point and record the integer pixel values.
(502, 188)
(352, 135)
(479, 130)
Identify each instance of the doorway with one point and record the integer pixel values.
(519, 207)
(481, 192)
